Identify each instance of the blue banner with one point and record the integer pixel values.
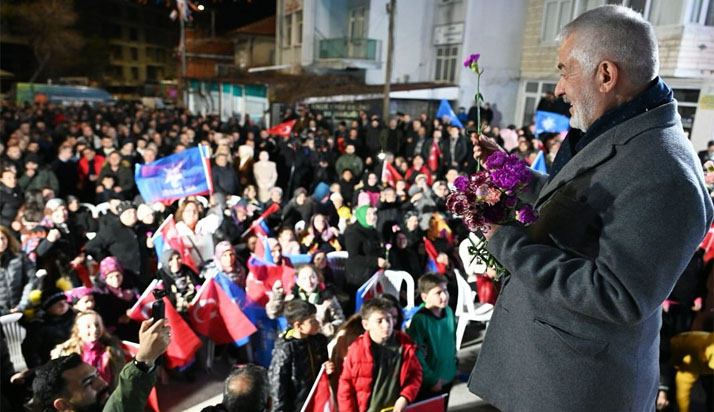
(539, 163)
(550, 122)
(176, 176)
(446, 110)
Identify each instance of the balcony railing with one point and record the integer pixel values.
(349, 48)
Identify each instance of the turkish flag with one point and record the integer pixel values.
(390, 175)
(131, 348)
(430, 405)
(433, 254)
(184, 342)
(262, 275)
(434, 156)
(282, 129)
(214, 315)
(320, 398)
(708, 245)
(167, 236)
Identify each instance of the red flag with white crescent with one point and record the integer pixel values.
(215, 315)
(282, 129)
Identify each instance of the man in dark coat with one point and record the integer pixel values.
(51, 327)
(10, 197)
(122, 241)
(65, 168)
(582, 308)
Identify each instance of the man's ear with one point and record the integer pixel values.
(62, 405)
(608, 75)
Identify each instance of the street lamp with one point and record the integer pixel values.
(201, 7)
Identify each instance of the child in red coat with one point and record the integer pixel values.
(381, 369)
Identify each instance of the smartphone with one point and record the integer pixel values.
(157, 308)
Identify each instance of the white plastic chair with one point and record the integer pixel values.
(102, 208)
(466, 309)
(91, 208)
(399, 277)
(14, 335)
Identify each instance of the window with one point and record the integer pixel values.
(702, 12)
(133, 34)
(556, 14)
(534, 91)
(664, 12)
(687, 100)
(357, 23)
(446, 63)
(288, 30)
(298, 27)
(134, 53)
(117, 52)
(135, 73)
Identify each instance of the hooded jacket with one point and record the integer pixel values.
(182, 285)
(17, 279)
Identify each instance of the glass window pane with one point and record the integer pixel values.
(550, 21)
(565, 12)
(529, 111)
(687, 95)
(666, 12)
(638, 5)
(531, 87)
(709, 19)
(437, 72)
(452, 70)
(548, 87)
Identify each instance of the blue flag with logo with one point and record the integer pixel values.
(446, 110)
(539, 163)
(176, 176)
(550, 122)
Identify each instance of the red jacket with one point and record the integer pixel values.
(355, 386)
(83, 166)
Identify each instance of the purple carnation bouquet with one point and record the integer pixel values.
(490, 196)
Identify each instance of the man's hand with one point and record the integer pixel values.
(438, 385)
(697, 305)
(489, 230)
(662, 401)
(382, 263)
(484, 147)
(329, 367)
(54, 235)
(401, 404)
(153, 340)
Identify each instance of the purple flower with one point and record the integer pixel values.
(461, 183)
(504, 179)
(494, 214)
(526, 215)
(496, 160)
(472, 59)
(457, 203)
(510, 201)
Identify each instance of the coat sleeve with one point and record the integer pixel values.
(627, 281)
(28, 277)
(418, 333)
(132, 392)
(274, 307)
(280, 378)
(353, 244)
(412, 383)
(346, 391)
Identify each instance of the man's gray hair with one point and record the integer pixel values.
(618, 34)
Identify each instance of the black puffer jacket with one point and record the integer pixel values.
(43, 334)
(294, 368)
(17, 279)
(364, 249)
(129, 247)
(10, 202)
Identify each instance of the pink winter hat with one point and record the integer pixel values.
(108, 265)
(76, 294)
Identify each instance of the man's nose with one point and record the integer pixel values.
(559, 89)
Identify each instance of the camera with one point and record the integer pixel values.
(158, 307)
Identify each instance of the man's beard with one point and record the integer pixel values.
(583, 110)
(95, 406)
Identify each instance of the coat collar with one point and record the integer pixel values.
(604, 148)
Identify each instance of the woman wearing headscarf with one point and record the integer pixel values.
(179, 280)
(112, 299)
(226, 261)
(365, 251)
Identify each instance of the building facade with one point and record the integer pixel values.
(431, 40)
(685, 30)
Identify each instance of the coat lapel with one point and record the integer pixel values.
(592, 155)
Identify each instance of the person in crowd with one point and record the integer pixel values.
(113, 298)
(36, 176)
(226, 261)
(180, 280)
(246, 389)
(69, 384)
(49, 328)
(311, 288)
(347, 186)
(318, 235)
(17, 275)
(298, 355)
(197, 232)
(381, 369)
(88, 168)
(433, 329)
(65, 169)
(123, 176)
(79, 216)
(364, 249)
(10, 196)
(370, 186)
(320, 203)
(81, 299)
(297, 208)
(244, 166)
(266, 176)
(123, 241)
(349, 160)
(288, 242)
(97, 347)
(225, 179)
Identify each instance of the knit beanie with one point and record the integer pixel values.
(51, 296)
(108, 265)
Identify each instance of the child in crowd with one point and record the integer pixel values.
(179, 280)
(309, 287)
(81, 298)
(381, 369)
(298, 356)
(433, 329)
(96, 345)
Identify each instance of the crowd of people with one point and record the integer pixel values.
(376, 189)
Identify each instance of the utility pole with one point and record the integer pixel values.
(388, 75)
(182, 49)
